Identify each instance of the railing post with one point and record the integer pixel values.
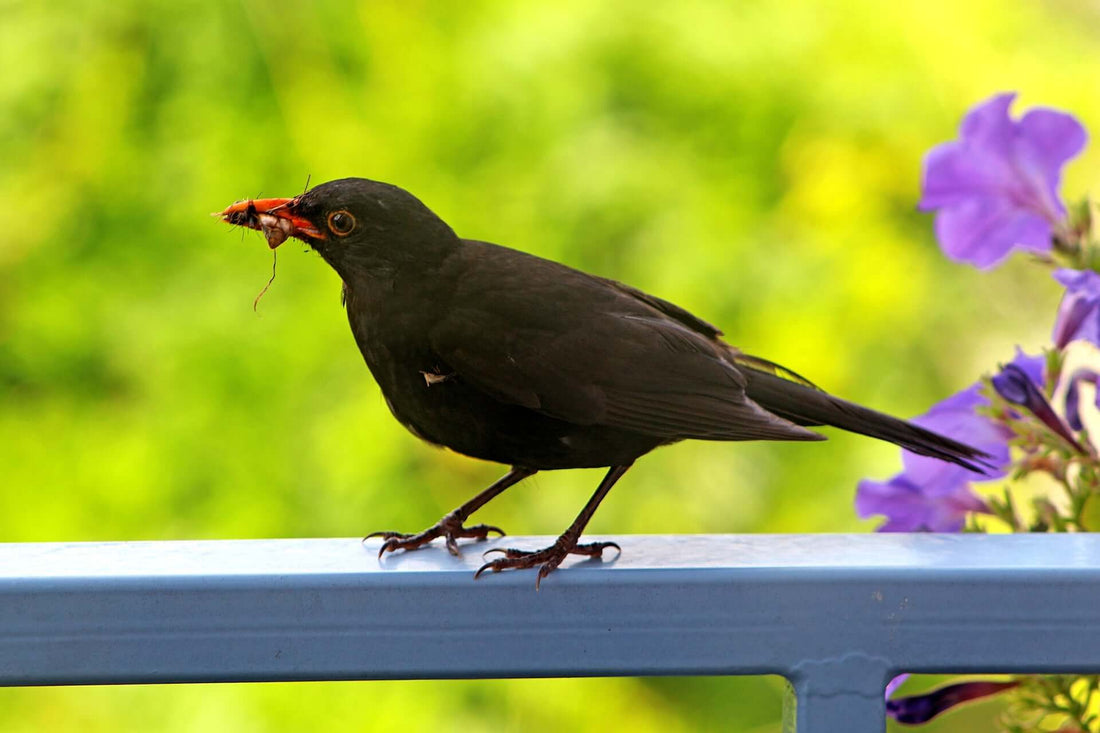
(846, 694)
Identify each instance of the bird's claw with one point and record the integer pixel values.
(450, 528)
(546, 560)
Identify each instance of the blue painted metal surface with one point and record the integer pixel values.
(835, 614)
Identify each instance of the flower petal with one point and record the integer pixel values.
(983, 231)
(1032, 366)
(1079, 312)
(895, 683)
(908, 508)
(988, 125)
(954, 173)
(1054, 137)
(956, 417)
(1075, 280)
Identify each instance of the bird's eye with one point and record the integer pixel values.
(341, 222)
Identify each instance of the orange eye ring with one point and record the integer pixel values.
(341, 223)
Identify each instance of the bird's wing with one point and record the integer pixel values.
(578, 349)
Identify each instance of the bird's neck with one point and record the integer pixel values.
(382, 294)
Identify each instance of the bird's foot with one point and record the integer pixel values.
(449, 527)
(546, 559)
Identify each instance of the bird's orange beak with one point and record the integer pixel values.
(274, 217)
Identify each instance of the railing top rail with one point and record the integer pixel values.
(917, 553)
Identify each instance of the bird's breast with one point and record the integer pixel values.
(435, 403)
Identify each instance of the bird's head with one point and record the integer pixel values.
(359, 226)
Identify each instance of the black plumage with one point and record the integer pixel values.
(508, 357)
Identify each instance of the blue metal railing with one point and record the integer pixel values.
(837, 615)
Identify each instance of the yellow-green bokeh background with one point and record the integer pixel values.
(756, 162)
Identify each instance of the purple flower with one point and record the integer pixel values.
(1018, 387)
(1031, 366)
(918, 709)
(1079, 312)
(930, 495)
(996, 187)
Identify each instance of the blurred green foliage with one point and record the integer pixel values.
(756, 162)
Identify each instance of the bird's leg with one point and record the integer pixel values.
(549, 558)
(450, 527)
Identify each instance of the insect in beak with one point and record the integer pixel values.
(274, 217)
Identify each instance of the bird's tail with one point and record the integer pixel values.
(804, 404)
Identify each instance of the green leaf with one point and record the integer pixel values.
(1090, 513)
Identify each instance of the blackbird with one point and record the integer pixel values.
(508, 357)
